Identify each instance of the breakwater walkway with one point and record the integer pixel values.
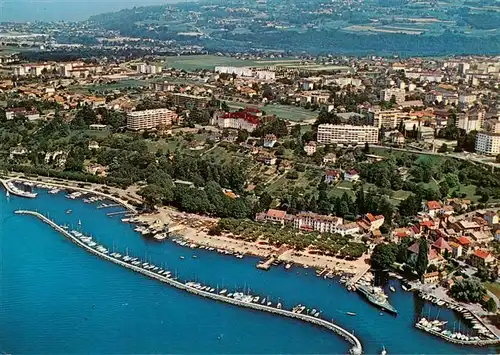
(355, 350)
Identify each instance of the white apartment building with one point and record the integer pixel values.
(316, 222)
(387, 94)
(387, 118)
(147, 119)
(488, 143)
(347, 134)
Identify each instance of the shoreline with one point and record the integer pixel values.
(69, 186)
(356, 348)
(194, 229)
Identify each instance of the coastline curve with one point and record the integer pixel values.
(356, 344)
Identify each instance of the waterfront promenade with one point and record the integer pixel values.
(356, 349)
(119, 201)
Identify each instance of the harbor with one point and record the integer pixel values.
(207, 266)
(166, 277)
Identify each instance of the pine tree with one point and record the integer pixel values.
(422, 258)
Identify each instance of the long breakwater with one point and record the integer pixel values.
(356, 348)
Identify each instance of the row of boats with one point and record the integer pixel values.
(484, 333)
(435, 326)
(240, 296)
(186, 244)
(18, 191)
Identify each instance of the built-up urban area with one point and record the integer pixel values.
(391, 163)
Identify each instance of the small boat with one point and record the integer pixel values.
(288, 266)
(392, 289)
(383, 352)
(68, 211)
(350, 313)
(182, 257)
(7, 194)
(194, 256)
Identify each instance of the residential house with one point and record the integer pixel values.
(274, 216)
(481, 257)
(441, 246)
(430, 278)
(399, 233)
(491, 218)
(432, 208)
(310, 148)
(370, 222)
(351, 175)
(329, 158)
(465, 243)
(270, 140)
(332, 176)
(266, 159)
(456, 249)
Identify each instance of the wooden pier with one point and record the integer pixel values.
(356, 344)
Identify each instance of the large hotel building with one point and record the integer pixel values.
(347, 134)
(147, 119)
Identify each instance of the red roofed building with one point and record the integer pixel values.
(481, 257)
(351, 175)
(275, 216)
(441, 246)
(464, 242)
(237, 120)
(332, 176)
(373, 222)
(433, 208)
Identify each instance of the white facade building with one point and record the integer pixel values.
(387, 94)
(347, 134)
(488, 143)
(147, 119)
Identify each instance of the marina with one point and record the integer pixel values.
(222, 271)
(236, 299)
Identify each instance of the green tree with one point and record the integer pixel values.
(422, 258)
(383, 256)
(491, 305)
(152, 195)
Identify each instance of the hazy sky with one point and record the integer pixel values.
(69, 10)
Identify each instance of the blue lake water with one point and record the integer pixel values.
(65, 10)
(57, 298)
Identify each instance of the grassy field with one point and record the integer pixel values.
(493, 287)
(291, 113)
(191, 62)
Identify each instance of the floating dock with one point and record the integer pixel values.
(355, 350)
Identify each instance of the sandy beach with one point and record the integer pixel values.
(194, 229)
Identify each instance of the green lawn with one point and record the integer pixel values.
(163, 144)
(493, 287)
